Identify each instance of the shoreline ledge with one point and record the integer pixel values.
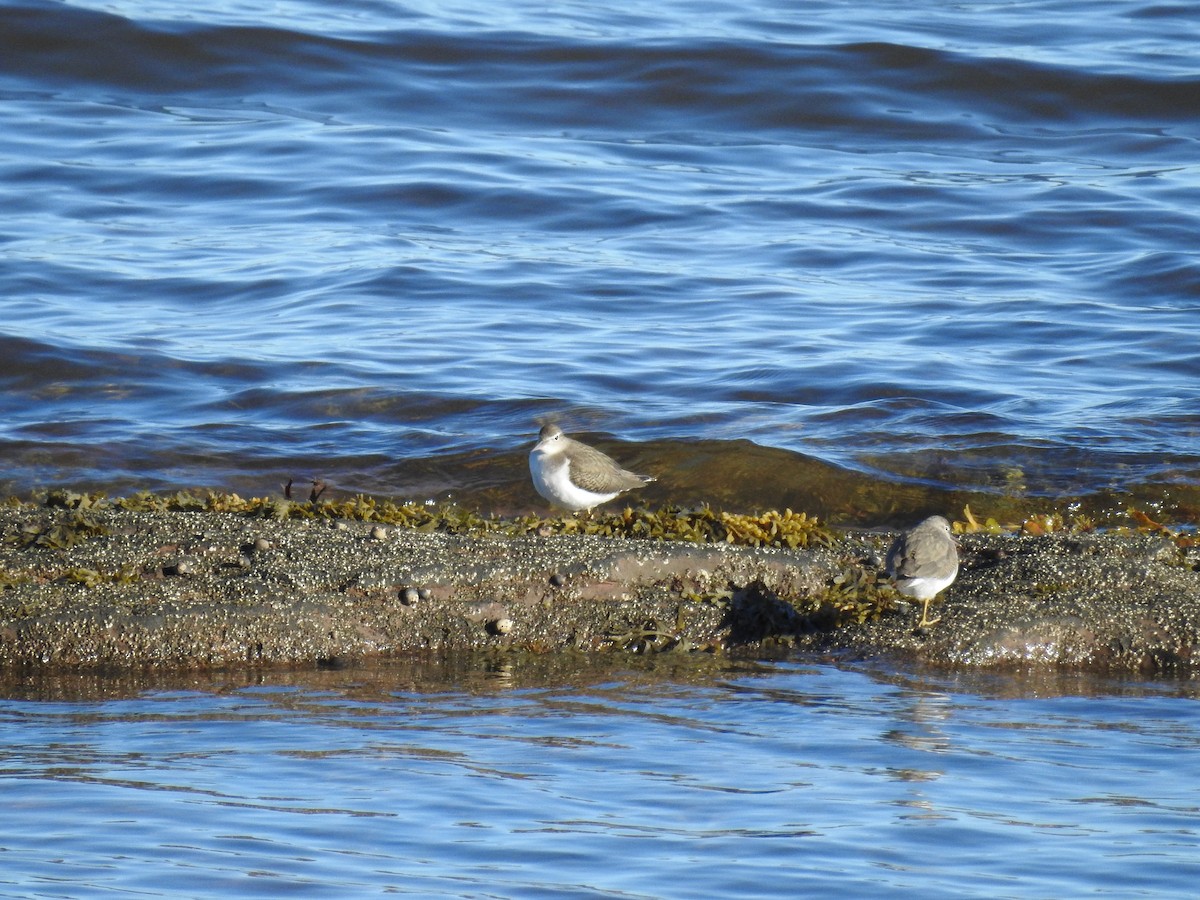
(95, 583)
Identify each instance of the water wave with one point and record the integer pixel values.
(381, 246)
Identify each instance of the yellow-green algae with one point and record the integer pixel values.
(770, 528)
(704, 525)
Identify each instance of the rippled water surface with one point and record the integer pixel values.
(506, 780)
(376, 242)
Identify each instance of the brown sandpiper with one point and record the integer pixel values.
(923, 561)
(575, 476)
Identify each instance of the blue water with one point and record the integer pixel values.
(778, 780)
(377, 243)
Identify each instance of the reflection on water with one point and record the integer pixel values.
(505, 776)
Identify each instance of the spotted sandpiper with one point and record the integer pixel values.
(923, 561)
(575, 476)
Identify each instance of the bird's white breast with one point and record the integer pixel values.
(552, 479)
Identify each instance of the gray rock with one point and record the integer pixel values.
(1107, 602)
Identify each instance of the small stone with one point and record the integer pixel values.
(339, 525)
(261, 545)
(379, 533)
(424, 593)
(558, 579)
(182, 569)
(500, 626)
(410, 596)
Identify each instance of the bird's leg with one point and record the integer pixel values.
(925, 620)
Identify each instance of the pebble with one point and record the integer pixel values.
(410, 596)
(500, 626)
(379, 533)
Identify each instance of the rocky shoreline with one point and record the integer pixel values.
(112, 587)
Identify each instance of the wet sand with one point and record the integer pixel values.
(117, 588)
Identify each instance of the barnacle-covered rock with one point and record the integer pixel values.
(213, 579)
